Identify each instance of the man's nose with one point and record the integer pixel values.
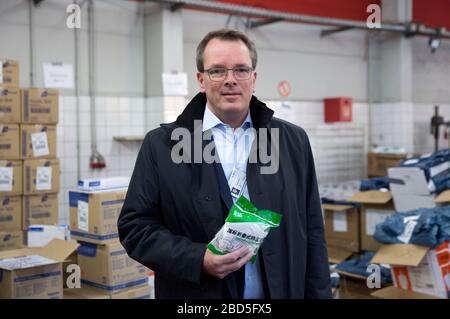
(229, 79)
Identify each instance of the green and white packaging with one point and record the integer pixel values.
(245, 226)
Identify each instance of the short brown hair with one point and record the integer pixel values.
(225, 35)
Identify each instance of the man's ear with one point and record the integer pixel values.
(254, 81)
(201, 82)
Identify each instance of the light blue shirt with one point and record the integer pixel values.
(233, 148)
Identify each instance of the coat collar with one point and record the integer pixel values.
(259, 112)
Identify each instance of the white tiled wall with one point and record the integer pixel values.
(338, 148)
(393, 125)
(115, 116)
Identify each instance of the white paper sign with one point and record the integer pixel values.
(58, 75)
(83, 215)
(373, 218)
(43, 178)
(1, 72)
(340, 221)
(39, 143)
(25, 262)
(411, 223)
(6, 179)
(175, 84)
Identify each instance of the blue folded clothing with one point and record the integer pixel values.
(359, 266)
(376, 183)
(425, 226)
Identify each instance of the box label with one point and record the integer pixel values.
(43, 178)
(373, 218)
(83, 215)
(340, 221)
(25, 262)
(410, 222)
(6, 179)
(39, 143)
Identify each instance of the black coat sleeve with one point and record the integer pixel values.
(141, 225)
(317, 268)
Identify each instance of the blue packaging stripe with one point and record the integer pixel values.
(112, 202)
(31, 277)
(116, 287)
(117, 253)
(35, 229)
(87, 249)
(74, 197)
(94, 183)
(143, 297)
(92, 236)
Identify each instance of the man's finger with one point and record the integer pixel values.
(239, 263)
(234, 256)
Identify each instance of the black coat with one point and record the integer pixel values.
(172, 211)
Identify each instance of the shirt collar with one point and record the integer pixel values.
(210, 120)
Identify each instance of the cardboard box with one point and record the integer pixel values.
(443, 199)
(353, 286)
(342, 227)
(378, 163)
(40, 176)
(10, 213)
(109, 267)
(9, 73)
(392, 292)
(102, 184)
(41, 235)
(12, 239)
(88, 292)
(418, 268)
(9, 141)
(9, 105)
(376, 206)
(409, 189)
(37, 141)
(40, 106)
(10, 177)
(93, 216)
(40, 209)
(34, 272)
(71, 260)
(337, 255)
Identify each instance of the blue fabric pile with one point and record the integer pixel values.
(359, 266)
(427, 227)
(376, 183)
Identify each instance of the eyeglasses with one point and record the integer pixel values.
(240, 73)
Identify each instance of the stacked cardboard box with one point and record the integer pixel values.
(39, 116)
(104, 263)
(418, 269)
(34, 273)
(379, 163)
(11, 235)
(29, 169)
(88, 292)
(342, 231)
(376, 206)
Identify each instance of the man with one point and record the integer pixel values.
(174, 208)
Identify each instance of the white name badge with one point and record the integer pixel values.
(237, 182)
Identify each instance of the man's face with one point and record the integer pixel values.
(229, 96)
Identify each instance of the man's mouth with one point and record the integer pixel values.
(231, 94)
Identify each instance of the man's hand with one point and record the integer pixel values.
(222, 265)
